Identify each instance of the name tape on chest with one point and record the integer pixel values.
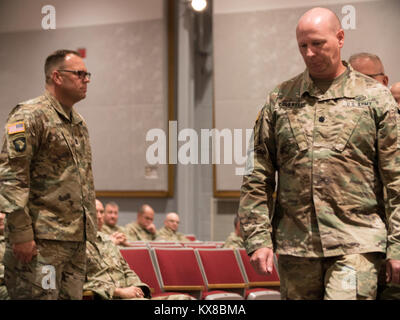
(16, 127)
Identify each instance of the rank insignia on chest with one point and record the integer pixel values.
(16, 127)
(19, 144)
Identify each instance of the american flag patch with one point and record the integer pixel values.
(16, 127)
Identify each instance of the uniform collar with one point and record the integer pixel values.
(337, 90)
(76, 118)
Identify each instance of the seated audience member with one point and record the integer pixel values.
(108, 275)
(395, 90)
(235, 239)
(111, 218)
(370, 65)
(3, 289)
(143, 229)
(118, 238)
(169, 232)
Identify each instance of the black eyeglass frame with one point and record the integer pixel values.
(375, 74)
(80, 73)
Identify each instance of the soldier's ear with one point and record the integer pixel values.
(56, 77)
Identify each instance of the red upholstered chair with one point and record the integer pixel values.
(222, 272)
(191, 237)
(260, 287)
(179, 270)
(201, 245)
(140, 261)
(165, 244)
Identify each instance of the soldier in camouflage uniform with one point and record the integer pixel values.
(372, 66)
(169, 232)
(108, 274)
(143, 229)
(110, 226)
(235, 239)
(3, 289)
(332, 134)
(47, 187)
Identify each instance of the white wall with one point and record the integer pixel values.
(23, 15)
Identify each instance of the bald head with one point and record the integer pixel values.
(370, 65)
(319, 18)
(172, 221)
(320, 39)
(395, 90)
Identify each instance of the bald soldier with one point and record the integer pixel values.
(169, 232)
(331, 134)
(47, 189)
(395, 90)
(370, 65)
(143, 229)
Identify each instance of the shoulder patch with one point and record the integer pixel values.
(16, 127)
(19, 144)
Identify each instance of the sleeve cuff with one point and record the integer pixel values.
(21, 236)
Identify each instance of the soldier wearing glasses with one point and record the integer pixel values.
(47, 187)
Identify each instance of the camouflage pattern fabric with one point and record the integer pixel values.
(56, 272)
(333, 152)
(134, 232)
(107, 270)
(3, 288)
(167, 234)
(111, 229)
(233, 241)
(47, 188)
(349, 277)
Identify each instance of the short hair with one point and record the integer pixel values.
(143, 208)
(365, 55)
(55, 59)
(112, 204)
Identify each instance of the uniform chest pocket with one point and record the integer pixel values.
(57, 147)
(290, 137)
(354, 120)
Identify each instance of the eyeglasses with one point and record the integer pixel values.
(375, 74)
(80, 73)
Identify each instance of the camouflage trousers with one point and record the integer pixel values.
(56, 272)
(348, 277)
(3, 293)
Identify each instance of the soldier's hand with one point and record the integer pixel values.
(129, 292)
(25, 251)
(151, 228)
(118, 238)
(393, 271)
(262, 260)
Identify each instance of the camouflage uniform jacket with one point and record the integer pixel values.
(107, 269)
(46, 175)
(167, 234)
(110, 230)
(134, 232)
(333, 152)
(233, 241)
